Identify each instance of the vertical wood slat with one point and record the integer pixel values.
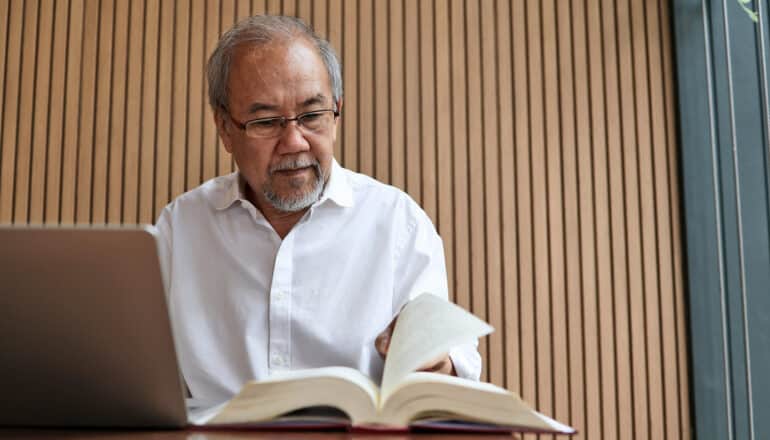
(617, 306)
(72, 113)
(56, 112)
(444, 163)
(677, 294)
(365, 116)
(596, 330)
(40, 117)
(491, 182)
(210, 143)
(133, 127)
(581, 377)
(26, 108)
(11, 72)
(647, 204)
(475, 172)
(381, 128)
(412, 104)
(84, 178)
(509, 261)
(427, 113)
(538, 136)
(148, 127)
(350, 74)
(164, 107)
(555, 163)
(526, 300)
(663, 238)
(118, 111)
(462, 290)
(101, 151)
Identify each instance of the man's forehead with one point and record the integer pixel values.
(271, 71)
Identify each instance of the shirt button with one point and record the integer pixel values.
(279, 295)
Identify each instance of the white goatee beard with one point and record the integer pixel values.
(298, 202)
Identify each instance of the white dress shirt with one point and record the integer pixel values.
(245, 303)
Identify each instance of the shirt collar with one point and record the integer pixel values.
(232, 190)
(337, 189)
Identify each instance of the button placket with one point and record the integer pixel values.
(280, 307)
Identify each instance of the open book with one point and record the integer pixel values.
(427, 327)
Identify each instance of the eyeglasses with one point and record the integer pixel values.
(316, 122)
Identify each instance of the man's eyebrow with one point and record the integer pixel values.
(317, 99)
(257, 106)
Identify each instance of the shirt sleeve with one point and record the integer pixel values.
(163, 241)
(421, 267)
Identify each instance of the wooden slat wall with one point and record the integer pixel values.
(538, 135)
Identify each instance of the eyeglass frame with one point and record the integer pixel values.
(283, 119)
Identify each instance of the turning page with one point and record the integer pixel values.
(427, 327)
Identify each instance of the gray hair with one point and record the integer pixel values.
(256, 31)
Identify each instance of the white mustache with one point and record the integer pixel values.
(295, 164)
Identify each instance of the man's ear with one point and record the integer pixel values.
(224, 135)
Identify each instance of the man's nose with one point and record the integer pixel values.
(292, 139)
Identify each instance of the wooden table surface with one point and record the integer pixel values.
(78, 434)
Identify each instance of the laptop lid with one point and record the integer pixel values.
(85, 337)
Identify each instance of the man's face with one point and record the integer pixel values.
(287, 171)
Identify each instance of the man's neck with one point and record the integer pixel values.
(281, 221)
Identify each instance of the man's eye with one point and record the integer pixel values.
(266, 123)
(311, 117)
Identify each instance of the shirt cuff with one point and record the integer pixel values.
(467, 361)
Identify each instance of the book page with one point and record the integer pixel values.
(427, 327)
(340, 387)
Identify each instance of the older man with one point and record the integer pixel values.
(293, 261)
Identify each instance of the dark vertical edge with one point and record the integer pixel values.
(674, 223)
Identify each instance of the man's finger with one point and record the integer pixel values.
(442, 364)
(382, 343)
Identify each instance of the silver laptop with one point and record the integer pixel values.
(85, 337)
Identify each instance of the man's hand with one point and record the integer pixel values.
(443, 364)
